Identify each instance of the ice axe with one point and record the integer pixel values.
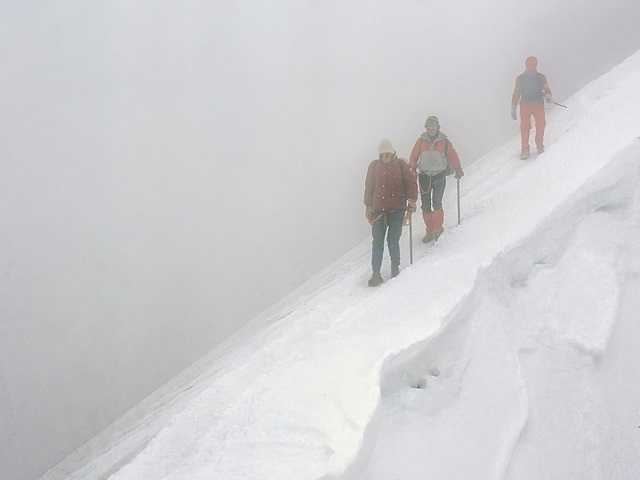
(458, 185)
(559, 104)
(407, 221)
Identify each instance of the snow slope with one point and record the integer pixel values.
(506, 351)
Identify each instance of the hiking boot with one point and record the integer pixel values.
(524, 154)
(376, 279)
(395, 270)
(428, 223)
(438, 221)
(540, 148)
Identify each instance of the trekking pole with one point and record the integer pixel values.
(458, 185)
(407, 221)
(560, 105)
(410, 238)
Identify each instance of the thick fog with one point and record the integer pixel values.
(170, 169)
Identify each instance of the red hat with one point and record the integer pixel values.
(531, 63)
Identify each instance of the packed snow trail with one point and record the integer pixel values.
(260, 409)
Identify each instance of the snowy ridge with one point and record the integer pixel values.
(507, 314)
(324, 391)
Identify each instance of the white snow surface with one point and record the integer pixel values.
(508, 350)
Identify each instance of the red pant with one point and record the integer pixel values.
(537, 110)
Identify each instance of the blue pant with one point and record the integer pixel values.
(432, 190)
(390, 224)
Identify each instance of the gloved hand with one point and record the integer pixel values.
(548, 98)
(412, 205)
(367, 213)
(459, 173)
(513, 112)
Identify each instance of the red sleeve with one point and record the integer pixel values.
(415, 154)
(545, 84)
(515, 98)
(369, 184)
(411, 182)
(453, 156)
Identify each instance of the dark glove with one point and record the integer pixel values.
(548, 98)
(459, 173)
(513, 112)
